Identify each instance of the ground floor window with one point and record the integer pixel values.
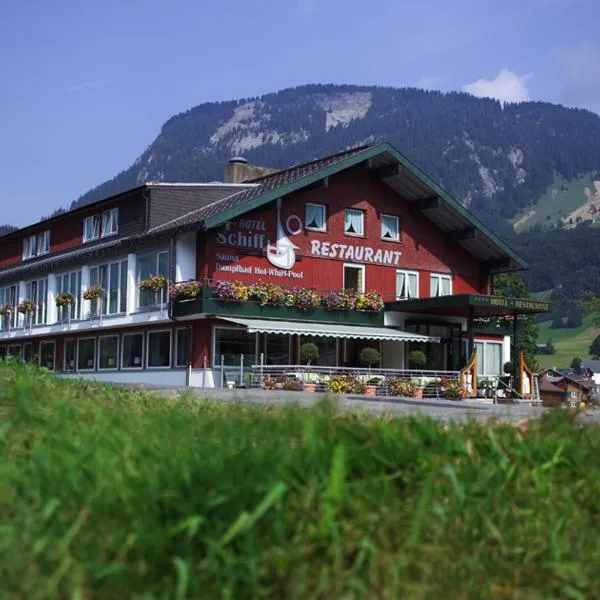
(353, 348)
(277, 349)
(327, 349)
(86, 354)
(132, 351)
(28, 352)
(48, 355)
(231, 344)
(14, 351)
(489, 358)
(108, 351)
(69, 356)
(182, 347)
(159, 349)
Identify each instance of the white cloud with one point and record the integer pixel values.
(508, 86)
(430, 82)
(83, 86)
(578, 70)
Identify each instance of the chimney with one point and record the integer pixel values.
(238, 170)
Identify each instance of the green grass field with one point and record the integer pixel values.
(110, 494)
(559, 200)
(568, 343)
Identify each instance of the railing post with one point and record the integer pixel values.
(262, 369)
(222, 371)
(241, 369)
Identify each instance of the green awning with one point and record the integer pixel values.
(331, 330)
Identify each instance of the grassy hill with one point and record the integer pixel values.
(560, 199)
(568, 343)
(107, 493)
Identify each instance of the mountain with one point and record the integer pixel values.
(497, 160)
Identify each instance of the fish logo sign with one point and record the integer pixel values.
(282, 254)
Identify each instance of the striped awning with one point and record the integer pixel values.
(331, 330)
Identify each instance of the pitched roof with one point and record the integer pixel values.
(592, 365)
(395, 170)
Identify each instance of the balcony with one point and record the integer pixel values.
(208, 304)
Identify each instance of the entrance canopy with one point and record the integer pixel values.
(470, 305)
(330, 330)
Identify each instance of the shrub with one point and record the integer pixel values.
(269, 383)
(402, 387)
(309, 352)
(267, 294)
(417, 359)
(454, 390)
(508, 368)
(369, 356)
(341, 300)
(292, 385)
(303, 299)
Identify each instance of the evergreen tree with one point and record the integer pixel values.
(595, 348)
(576, 366)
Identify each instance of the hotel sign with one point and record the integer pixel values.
(516, 304)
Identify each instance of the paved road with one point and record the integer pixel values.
(445, 410)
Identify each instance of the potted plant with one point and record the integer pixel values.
(401, 387)
(6, 311)
(94, 292)
(370, 356)
(185, 290)
(26, 307)
(417, 360)
(303, 299)
(341, 300)
(231, 291)
(309, 352)
(454, 390)
(369, 302)
(346, 384)
(267, 294)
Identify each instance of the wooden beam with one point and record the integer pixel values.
(465, 234)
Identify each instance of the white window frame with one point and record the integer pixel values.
(40, 314)
(53, 342)
(29, 247)
(482, 358)
(109, 216)
(106, 286)
(103, 337)
(154, 331)
(143, 358)
(387, 216)
(323, 207)
(357, 267)
(440, 277)
(398, 297)
(75, 346)
(77, 307)
(176, 348)
(43, 240)
(137, 290)
(93, 237)
(363, 215)
(83, 339)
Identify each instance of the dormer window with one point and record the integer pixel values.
(110, 222)
(36, 245)
(91, 228)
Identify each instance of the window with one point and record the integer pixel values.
(91, 228)
(407, 285)
(108, 351)
(278, 349)
(2, 351)
(152, 263)
(37, 292)
(112, 278)
(327, 350)
(86, 354)
(132, 350)
(9, 295)
(29, 247)
(230, 344)
(69, 356)
(354, 278)
(390, 228)
(47, 355)
(14, 351)
(70, 283)
(159, 349)
(354, 222)
(110, 222)
(182, 344)
(441, 285)
(489, 358)
(315, 217)
(43, 243)
(28, 352)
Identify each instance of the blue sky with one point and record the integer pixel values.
(86, 86)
